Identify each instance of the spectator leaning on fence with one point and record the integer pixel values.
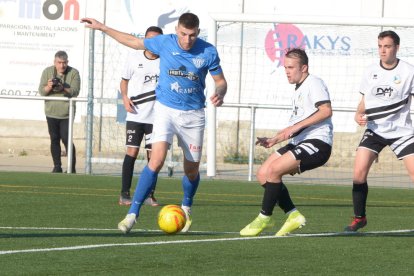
(59, 80)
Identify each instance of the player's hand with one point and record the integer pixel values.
(281, 136)
(361, 119)
(128, 104)
(92, 23)
(217, 100)
(266, 142)
(50, 84)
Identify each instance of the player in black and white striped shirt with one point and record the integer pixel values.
(386, 88)
(311, 132)
(139, 80)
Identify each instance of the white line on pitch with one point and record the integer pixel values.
(80, 247)
(103, 229)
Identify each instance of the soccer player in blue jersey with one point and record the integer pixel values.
(387, 88)
(185, 61)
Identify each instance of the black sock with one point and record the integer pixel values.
(271, 197)
(127, 173)
(359, 198)
(285, 202)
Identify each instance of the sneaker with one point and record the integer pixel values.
(127, 223)
(295, 221)
(57, 169)
(357, 223)
(188, 220)
(260, 223)
(151, 201)
(124, 200)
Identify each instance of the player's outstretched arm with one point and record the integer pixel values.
(220, 82)
(123, 38)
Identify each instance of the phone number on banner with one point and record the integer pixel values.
(12, 92)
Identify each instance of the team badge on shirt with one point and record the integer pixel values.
(198, 62)
(397, 79)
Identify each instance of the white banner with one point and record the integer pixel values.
(31, 33)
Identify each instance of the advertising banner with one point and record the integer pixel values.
(32, 32)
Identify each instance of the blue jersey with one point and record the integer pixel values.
(182, 73)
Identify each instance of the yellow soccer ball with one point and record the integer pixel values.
(171, 219)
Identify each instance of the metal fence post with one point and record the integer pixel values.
(89, 118)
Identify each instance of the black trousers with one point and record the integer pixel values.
(58, 130)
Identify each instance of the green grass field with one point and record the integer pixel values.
(66, 224)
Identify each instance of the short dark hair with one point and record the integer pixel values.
(62, 55)
(391, 34)
(189, 20)
(154, 29)
(298, 53)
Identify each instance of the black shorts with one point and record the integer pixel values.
(135, 133)
(312, 153)
(401, 146)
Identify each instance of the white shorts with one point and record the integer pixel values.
(188, 126)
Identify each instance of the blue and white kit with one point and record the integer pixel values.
(182, 73)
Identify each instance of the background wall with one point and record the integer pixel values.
(30, 38)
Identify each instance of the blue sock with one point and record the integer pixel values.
(144, 186)
(189, 188)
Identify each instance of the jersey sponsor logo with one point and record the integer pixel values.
(177, 88)
(175, 53)
(385, 92)
(151, 78)
(195, 148)
(130, 131)
(183, 74)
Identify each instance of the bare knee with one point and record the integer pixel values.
(273, 174)
(261, 176)
(156, 164)
(359, 177)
